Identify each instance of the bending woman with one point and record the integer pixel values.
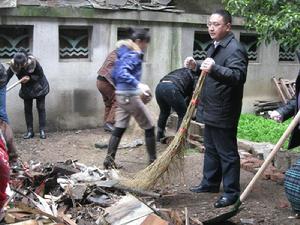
(34, 86)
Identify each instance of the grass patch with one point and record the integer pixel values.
(258, 129)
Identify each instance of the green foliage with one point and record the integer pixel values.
(259, 129)
(272, 19)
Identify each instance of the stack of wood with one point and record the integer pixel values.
(262, 106)
(286, 91)
(285, 88)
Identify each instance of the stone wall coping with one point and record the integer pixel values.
(91, 13)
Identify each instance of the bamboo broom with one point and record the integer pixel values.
(148, 177)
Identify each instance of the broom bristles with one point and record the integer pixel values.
(149, 176)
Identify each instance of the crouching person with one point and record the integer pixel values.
(292, 175)
(173, 91)
(34, 86)
(126, 76)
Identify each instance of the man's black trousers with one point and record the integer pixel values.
(221, 160)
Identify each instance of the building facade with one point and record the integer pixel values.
(71, 43)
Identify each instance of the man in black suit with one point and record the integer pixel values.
(220, 108)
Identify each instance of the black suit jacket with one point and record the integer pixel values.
(221, 98)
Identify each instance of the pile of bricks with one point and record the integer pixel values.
(252, 164)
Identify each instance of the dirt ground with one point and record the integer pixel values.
(267, 203)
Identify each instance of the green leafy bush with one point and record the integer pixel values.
(259, 129)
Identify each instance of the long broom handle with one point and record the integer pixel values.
(193, 104)
(268, 160)
(14, 85)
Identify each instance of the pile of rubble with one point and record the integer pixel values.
(73, 193)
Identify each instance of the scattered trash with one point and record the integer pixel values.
(73, 193)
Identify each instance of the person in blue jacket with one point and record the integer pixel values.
(126, 76)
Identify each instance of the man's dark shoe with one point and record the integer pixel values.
(108, 127)
(42, 134)
(225, 201)
(28, 135)
(203, 189)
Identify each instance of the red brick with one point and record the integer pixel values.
(278, 177)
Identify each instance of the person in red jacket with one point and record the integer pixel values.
(4, 173)
(8, 154)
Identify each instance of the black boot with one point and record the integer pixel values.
(109, 161)
(160, 134)
(29, 134)
(42, 134)
(151, 149)
(150, 144)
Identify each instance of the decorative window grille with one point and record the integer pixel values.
(286, 54)
(250, 42)
(14, 38)
(201, 42)
(74, 42)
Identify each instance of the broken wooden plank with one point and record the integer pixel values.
(153, 219)
(285, 89)
(278, 88)
(27, 208)
(16, 217)
(68, 220)
(187, 216)
(126, 210)
(27, 222)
